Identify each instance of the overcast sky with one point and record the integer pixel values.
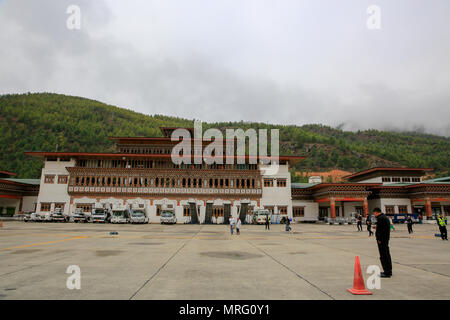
(277, 61)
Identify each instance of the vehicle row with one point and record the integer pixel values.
(107, 214)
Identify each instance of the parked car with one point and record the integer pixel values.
(138, 216)
(260, 216)
(44, 216)
(30, 216)
(100, 215)
(168, 217)
(58, 216)
(120, 214)
(79, 216)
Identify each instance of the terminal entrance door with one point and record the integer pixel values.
(243, 214)
(194, 215)
(208, 213)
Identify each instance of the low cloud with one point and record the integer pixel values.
(221, 75)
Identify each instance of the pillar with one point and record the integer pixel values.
(332, 208)
(20, 204)
(428, 207)
(365, 208)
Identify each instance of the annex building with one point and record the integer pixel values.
(141, 173)
(17, 195)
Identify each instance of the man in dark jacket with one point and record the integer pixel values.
(359, 223)
(409, 222)
(382, 235)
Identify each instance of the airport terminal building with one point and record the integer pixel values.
(141, 173)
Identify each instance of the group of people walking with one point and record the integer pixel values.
(235, 224)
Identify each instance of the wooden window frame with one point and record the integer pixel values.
(45, 205)
(281, 183)
(403, 209)
(49, 178)
(389, 207)
(63, 179)
(268, 183)
(87, 207)
(298, 211)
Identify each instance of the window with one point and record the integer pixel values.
(402, 209)
(217, 212)
(62, 179)
(186, 211)
(394, 179)
(45, 207)
(389, 209)
(268, 182)
(386, 179)
(406, 179)
(49, 178)
(282, 210)
(298, 211)
(60, 205)
(415, 179)
(281, 182)
(158, 210)
(87, 207)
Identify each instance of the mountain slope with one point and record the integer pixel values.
(49, 122)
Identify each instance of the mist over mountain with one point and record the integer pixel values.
(55, 122)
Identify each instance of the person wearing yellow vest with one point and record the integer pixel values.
(442, 223)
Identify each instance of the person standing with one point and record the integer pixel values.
(238, 226)
(231, 225)
(391, 224)
(288, 225)
(267, 222)
(442, 223)
(359, 222)
(409, 223)
(382, 235)
(369, 225)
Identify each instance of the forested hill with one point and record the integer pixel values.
(49, 122)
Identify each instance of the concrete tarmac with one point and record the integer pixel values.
(315, 261)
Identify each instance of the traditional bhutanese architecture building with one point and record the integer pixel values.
(141, 172)
(393, 190)
(17, 195)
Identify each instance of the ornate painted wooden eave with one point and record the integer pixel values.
(440, 191)
(351, 192)
(127, 156)
(13, 188)
(372, 172)
(255, 193)
(169, 172)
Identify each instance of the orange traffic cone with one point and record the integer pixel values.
(358, 281)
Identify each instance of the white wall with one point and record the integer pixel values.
(383, 202)
(54, 192)
(311, 210)
(277, 196)
(29, 203)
